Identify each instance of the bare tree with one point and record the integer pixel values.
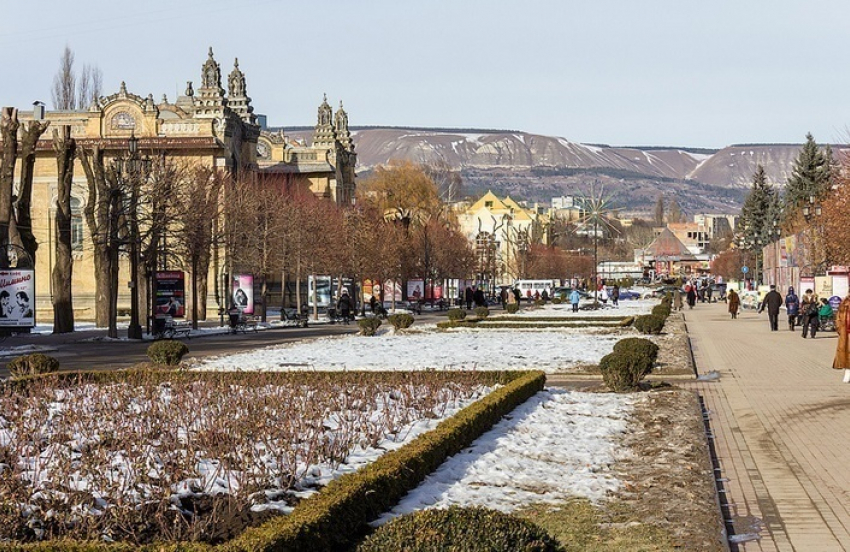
(89, 86)
(9, 133)
(63, 311)
(31, 131)
(65, 83)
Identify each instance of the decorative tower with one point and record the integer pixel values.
(341, 128)
(324, 135)
(210, 100)
(237, 97)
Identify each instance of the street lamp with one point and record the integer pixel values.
(813, 211)
(133, 169)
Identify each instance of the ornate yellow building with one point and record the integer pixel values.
(208, 126)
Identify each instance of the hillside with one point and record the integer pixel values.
(537, 168)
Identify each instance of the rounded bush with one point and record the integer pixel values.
(662, 310)
(622, 372)
(640, 348)
(167, 352)
(401, 321)
(456, 314)
(472, 529)
(649, 324)
(512, 308)
(556, 300)
(369, 325)
(482, 312)
(32, 365)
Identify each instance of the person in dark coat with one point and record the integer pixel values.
(809, 305)
(344, 306)
(792, 305)
(734, 303)
(772, 302)
(692, 297)
(478, 298)
(615, 295)
(468, 296)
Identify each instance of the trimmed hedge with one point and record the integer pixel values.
(662, 310)
(512, 308)
(649, 324)
(556, 300)
(401, 321)
(167, 352)
(32, 365)
(456, 314)
(482, 312)
(448, 325)
(632, 359)
(369, 325)
(471, 529)
(331, 519)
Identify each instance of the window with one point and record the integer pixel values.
(76, 224)
(488, 204)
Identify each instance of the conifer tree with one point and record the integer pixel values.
(811, 175)
(761, 205)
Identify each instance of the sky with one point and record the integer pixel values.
(619, 72)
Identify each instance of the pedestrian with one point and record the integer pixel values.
(842, 351)
(792, 306)
(372, 302)
(772, 301)
(468, 295)
(615, 294)
(511, 298)
(545, 295)
(734, 303)
(536, 296)
(503, 297)
(517, 296)
(344, 306)
(825, 313)
(478, 297)
(809, 308)
(692, 297)
(575, 297)
(709, 290)
(677, 299)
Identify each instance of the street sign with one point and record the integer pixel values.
(745, 269)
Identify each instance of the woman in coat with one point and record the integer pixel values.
(692, 297)
(792, 305)
(842, 351)
(734, 303)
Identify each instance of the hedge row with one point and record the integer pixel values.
(336, 516)
(332, 519)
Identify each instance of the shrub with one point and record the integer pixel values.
(482, 312)
(622, 372)
(649, 324)
(512, 308)
(456, 314)
(369, 325)
(640, 348)
(662, 310)
(401, 321)
(167, 352)
(538, 302)
(32, 365)
(471, 529)
(556, 300)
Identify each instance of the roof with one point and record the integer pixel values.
(668, 247)
(299, 168)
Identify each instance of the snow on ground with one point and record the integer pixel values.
(557, 445)
(549, 350)
(629, 307)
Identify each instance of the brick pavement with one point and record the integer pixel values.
(780, 417)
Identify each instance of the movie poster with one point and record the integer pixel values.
(414, 290)
(171, 294)
(17, 298)
(242, 293)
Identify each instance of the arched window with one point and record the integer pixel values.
(76, 224)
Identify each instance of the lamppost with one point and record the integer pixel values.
(810, 212)
(131, 170)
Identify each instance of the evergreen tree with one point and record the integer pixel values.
(659, 210)
(760, 209)
(813, 170)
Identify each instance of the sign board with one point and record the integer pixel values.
(17, 297)
(171, 293)
(834, 302)
(242, 292)
(745, 269)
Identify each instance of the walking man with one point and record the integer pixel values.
(772, 302)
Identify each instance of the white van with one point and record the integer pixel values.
(534, 286)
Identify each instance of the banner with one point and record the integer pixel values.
(242, 293)
(17, 297)
(171, 294)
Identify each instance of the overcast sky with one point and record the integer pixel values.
(620, 72)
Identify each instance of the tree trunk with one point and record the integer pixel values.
(194, 292)
(282, 293)
(63, 309)
(9, 132)
(32, 131)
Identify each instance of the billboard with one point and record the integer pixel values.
(171, 293)
(17, 297)
(242, 292)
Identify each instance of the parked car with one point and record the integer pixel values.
(626, 294)
(663, 290)
(564, 293)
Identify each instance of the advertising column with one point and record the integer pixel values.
(17, 297)
(242, 293)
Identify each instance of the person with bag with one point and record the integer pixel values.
(842, 350)
(792, 306)
(772, 301)
(809, 308)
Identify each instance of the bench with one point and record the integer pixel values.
(246, 324)
(166, 327)
(291, 318)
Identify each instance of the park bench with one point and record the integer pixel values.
(165, 327)
(291, 318)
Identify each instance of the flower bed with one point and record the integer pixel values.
(153, 456)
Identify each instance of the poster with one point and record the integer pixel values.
(242, 293)
(319, 291)
(414, 290)
(171, 293)
(17, 298)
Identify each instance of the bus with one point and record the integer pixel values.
(527, 288)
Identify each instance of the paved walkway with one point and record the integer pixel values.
(781, 421)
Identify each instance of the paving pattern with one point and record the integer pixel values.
(780, 417)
